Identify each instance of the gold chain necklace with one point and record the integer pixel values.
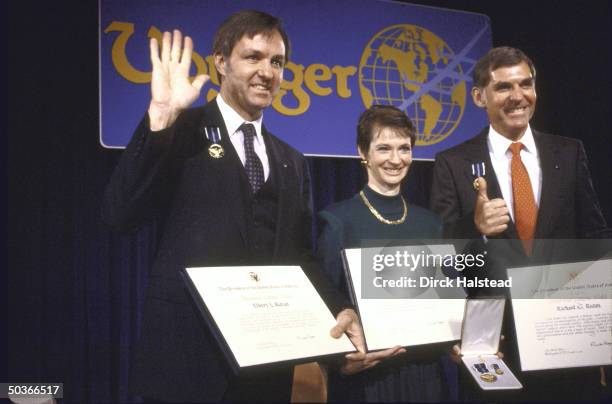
(379, 216)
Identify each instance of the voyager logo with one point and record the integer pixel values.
(403, 65)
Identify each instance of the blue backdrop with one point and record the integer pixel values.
(347, 55)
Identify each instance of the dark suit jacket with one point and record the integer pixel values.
(170, 174)
(568, 206)
(568, 210)
(568, 203)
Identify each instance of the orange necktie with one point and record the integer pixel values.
(525, 209)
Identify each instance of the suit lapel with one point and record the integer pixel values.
(230, 165)
(551, 182)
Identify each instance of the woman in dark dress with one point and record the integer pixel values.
(385, 137)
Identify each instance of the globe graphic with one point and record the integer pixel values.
(413, 69)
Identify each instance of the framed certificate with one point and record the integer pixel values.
(264, 314)
(563, 314)
(402, 309)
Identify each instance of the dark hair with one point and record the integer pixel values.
(382, 116)
(249, 23)
(502, 56)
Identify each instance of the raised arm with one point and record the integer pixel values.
(144, 179)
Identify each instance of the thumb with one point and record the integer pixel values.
(343, 322)
(199, 81)
(482, 189)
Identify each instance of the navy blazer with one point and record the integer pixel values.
(170, 175)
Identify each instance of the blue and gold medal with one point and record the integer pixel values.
(484, 373)
(215, 150)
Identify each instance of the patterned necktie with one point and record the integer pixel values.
(525, 209)
(252, 164)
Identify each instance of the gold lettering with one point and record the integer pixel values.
(315, 73)
(214, 78)
(119, 56)
(342, 75)
(313, 77)
(212, 93)
(293, 86)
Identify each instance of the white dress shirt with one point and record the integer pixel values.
(501, 158)
(233, 121)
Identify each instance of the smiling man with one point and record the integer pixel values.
(511, 185)
(511, 181)
(227, 192)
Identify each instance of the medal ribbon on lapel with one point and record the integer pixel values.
(478, 170)
(213, 134)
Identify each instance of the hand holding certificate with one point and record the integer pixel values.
(349, 324)
(267, 314)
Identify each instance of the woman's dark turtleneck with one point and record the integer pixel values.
(385, 204)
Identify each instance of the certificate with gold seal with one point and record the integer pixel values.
(264, 314)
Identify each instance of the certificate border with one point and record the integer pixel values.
(210, 322)
(350, 287)
(222, 342)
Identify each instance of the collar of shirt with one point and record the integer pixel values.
(233, 121)
(499, 144)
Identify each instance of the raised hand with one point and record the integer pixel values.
(171, 89)
(491, 217)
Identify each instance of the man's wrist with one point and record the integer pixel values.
(161, 116)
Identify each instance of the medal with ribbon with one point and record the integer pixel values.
(497, 369)
(484, 373)
(478, 170)
(213, 134)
